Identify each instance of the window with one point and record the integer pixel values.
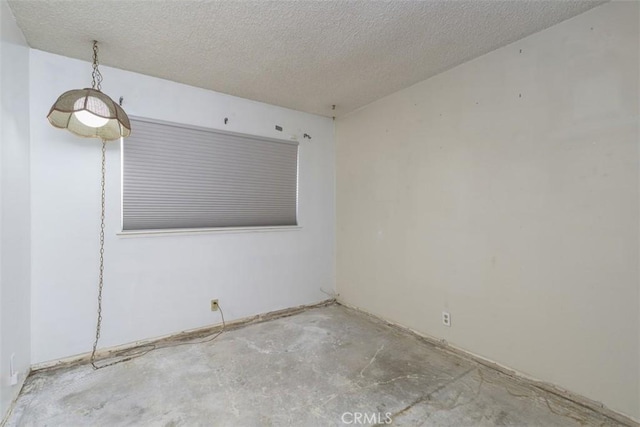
(184, 177)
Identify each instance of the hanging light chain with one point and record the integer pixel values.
(96, 76)
(101, 274)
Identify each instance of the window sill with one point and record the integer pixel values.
(220, 230)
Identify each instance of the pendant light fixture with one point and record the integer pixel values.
(92, 114)
(89, 112)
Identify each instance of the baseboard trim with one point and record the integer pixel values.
(121, 350)
(542, 385)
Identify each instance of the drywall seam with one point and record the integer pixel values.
(443, 345)
(191, 334)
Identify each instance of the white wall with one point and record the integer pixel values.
(163, 284)
(505, 191)
(14, 205)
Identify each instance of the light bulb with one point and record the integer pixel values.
(87, 117)
(90, 119)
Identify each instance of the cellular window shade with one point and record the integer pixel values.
(181, 177)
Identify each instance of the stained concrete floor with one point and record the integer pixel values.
(317, 368)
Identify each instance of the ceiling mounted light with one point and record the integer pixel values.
(89, 112)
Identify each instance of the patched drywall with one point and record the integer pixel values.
(158, 285)
(14, 207)
(505, 191)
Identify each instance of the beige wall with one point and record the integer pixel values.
(505, 191)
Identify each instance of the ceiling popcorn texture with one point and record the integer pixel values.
(304, 55)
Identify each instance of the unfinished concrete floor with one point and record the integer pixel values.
(317, 368)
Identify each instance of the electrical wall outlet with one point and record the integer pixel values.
(13, 375)
(214, 305)
(446, 318)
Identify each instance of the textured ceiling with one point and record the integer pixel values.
(305, 55)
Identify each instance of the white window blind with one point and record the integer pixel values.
(183, 177)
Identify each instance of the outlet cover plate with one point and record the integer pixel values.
(446, 318)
